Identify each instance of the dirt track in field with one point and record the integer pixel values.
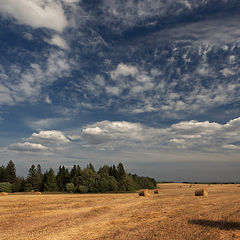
(174, 214)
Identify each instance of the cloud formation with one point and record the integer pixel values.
(187, 135)
(27, 147)
(51, 136)
(37, 14)
(26, 83)
(58, 41)
(106, 131)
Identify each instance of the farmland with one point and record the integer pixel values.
(174, 213)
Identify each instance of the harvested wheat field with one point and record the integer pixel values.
(174, 213)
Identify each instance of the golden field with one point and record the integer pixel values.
(174, 214)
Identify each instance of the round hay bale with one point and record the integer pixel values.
(3, 194)
(144, 192)
(37, 193)
(156, 191)
(201, 192)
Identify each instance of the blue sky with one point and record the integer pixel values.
(153, 84)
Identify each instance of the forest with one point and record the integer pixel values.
(86, 180)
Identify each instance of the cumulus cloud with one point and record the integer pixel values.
(27, 147)
(106, 131)
(50, 136)
(189, 135)
(37, 14)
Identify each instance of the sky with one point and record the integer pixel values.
(153, 84)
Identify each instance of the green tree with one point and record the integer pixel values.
(75, 173)
(63, 177)
(128, 183)
(70, 187)
(49, 181)
(11, 172)
(82, 189)
(106, 183)
(113, 172)
(39, 170)
(18, 185)
(5, 187)
(34, 179)
(3, 174)
(121, 175)
(112, 184)
(90, 166)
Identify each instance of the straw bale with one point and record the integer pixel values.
(144, 192)
(201, 192)
(156, 191)
(3, 194)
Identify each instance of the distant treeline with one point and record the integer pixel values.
(87, 180)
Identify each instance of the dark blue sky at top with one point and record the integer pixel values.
(149, 63)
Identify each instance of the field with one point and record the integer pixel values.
(174, 214)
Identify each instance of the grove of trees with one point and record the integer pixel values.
(86, 180)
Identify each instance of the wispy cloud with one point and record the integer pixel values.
(47, 123)
(26, 84)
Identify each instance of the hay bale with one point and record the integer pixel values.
(37, 193)
(3, 194)
(144, 192)
(156, 191)
(201, 192)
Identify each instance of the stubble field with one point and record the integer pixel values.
(174, 214)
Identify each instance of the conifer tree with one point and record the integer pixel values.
(62, 178)
(34, 179)
(3, 174)
(11, 172)
(49, 181)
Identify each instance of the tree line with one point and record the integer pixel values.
(86, 180)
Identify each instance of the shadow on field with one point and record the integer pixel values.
(224, 225)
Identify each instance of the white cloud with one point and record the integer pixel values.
(50, 136)
(192, 136)
(48, 100)
(36, 13)
(231, 147)
(113, 90)
(25, 84)
(28, 36)
(123, 70)
(227, 72)
(5, 95)
(45, 123)
(71, 1)
(58, 41)
(125, 14)
(27, 147)
(106, 131)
